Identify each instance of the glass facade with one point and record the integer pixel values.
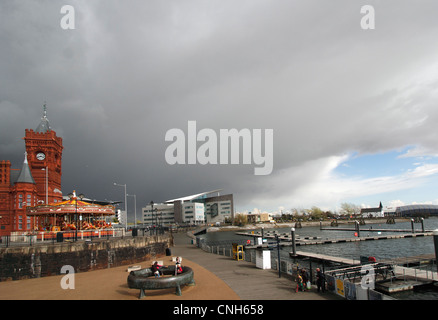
(417, 210)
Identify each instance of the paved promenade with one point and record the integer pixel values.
(217, 278)
(244, 278)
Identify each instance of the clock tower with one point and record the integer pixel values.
(44, 155)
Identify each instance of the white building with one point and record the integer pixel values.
(195, 209)
(162, 214)
(121, 217)
(193, 213)
(372, 212)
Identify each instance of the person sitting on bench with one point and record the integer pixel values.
(178, 268)
(156, 269)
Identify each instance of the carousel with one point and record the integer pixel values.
(71, 215)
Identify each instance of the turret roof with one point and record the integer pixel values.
(25, 174)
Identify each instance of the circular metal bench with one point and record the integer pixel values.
(144, 279)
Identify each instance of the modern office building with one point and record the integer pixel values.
(205, 207)
(158, 214)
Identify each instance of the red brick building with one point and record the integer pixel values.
(37, 182)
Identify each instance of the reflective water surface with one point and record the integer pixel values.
(381, 249)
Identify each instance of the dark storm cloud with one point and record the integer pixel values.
(130, 71)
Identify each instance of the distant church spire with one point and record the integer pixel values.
(44, 125)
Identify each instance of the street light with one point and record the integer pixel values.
(159, 219)
(73, 196)
(135, 209)
(152, 211)
(277, 239)
(126, 205)
(47, 184)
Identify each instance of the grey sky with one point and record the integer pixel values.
(131, 70)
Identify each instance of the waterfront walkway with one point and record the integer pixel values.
(244, 278)
(217, 278)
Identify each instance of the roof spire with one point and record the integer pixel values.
(45, 110)
(44, 125)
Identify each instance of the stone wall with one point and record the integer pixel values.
(46, 260)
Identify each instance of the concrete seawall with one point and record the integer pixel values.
(47, 259)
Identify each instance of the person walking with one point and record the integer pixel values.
(305, 276)
(299, 283)
(320, 280)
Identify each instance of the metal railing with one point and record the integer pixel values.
(418, 274)
(223, 247)
(36, 238)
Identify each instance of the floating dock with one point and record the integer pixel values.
(286, 239)
(376, 230)
(403, 279)
(324, 257)
(395, 274)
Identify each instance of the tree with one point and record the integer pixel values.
(349, 209)
(316, 213)
(240, 219)
(330, 215)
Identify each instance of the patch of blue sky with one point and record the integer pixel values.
(403, 182)
(391, 163)
(406, 196)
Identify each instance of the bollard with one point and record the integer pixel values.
(357, 228)
(422, 224)
(294, 246)
(412, 225)
(435, 241)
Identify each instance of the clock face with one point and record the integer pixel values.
(40, 156)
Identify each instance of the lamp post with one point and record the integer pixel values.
(46, 169)
(294, 248)
(277, 239)
(152, 211)
(74, 197)
(159, 220)
(156, 221)
(126, 205)
(135, 209)
(80, 196)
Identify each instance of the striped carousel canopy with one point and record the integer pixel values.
(71, 206)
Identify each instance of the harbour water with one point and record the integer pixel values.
(381, 249)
